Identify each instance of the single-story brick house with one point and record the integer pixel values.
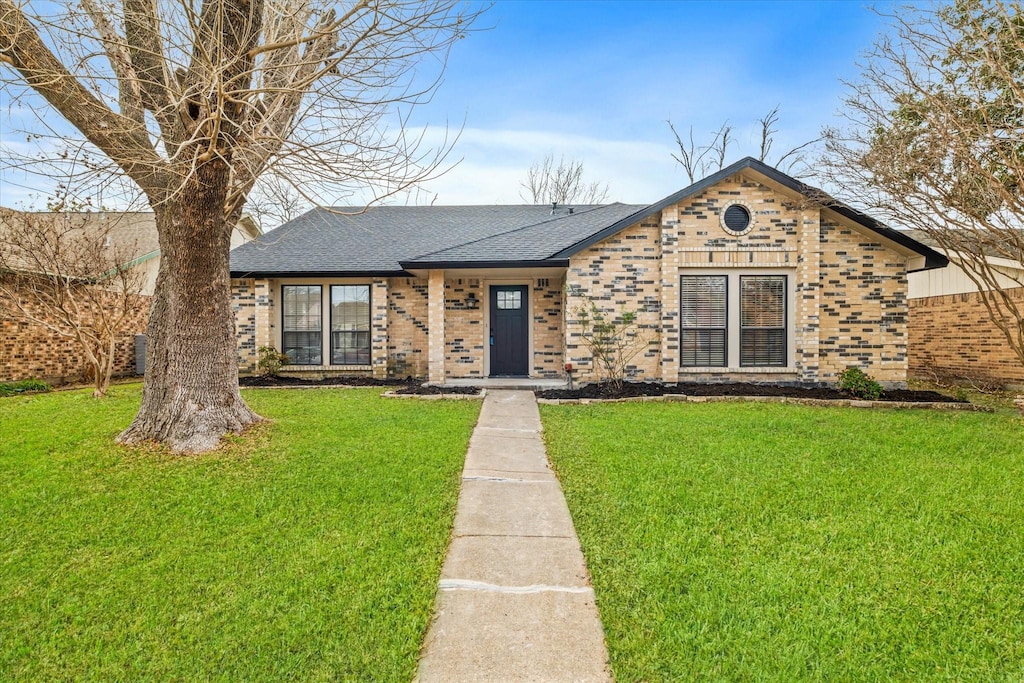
(746, 275)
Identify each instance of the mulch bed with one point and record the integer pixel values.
(420, 390)
(636, 389)
(348, 381)
(408, 385)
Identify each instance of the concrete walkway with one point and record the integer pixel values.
(515, 601)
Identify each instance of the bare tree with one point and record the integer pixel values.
(935, 141)
(795, 161)
(274, 201)
(193, 102)
(548, 182)
(701, 160)
(69, 277)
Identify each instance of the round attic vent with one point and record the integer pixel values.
(737, 219)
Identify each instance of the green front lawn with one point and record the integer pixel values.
(773, 542)
(308, 551)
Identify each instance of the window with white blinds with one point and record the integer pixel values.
(763, 320)
(350, 324)
(704, 320)
(300, 336)
(734, 319)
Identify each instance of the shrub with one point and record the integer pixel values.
(25, 386)
(857, 382)
(613, 340)
(270, 361)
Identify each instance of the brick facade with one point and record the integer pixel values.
(463, 328)
(548, 327)
(407, 327)
(621, 273)
(953, 338)
(31, 351)
(846, 297)
(863, 306)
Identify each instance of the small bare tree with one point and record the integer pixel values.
(548, 182)
(71, 278)
(935, 141)
(613, 339)
(701, 160)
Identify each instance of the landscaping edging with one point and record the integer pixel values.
(849, 403)
(436, 397)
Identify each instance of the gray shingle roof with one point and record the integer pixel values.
(389, 239)
(380, 239)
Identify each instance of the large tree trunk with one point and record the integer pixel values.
(190, 398)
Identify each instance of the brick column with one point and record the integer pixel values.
(435, 327)
(670, 294)
(379, 327)
(264, 304)
(808, 288)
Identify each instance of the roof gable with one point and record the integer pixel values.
(933, 259)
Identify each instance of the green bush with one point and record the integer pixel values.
(270, 361)
(25, 386)
(857, 382)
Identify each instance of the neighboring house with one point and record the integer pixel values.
(29, 350)
(744, 275)
(952, 336)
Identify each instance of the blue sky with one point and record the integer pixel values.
(596, 81)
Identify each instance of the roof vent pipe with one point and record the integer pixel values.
(570, 210)
(554, 205)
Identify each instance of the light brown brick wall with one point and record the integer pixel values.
(952, 337)
(407, 327)
(863, 306)
(849, 308)
(31, 351)
(463, 328)
(548, 328)
(621, 273)
(693, 239)
(252, 301)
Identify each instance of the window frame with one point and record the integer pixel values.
(733, 313)
(724, 329)
(369, 323)
(284, 324)
(785, 321)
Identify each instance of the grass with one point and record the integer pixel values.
(773, 542)
(309, 550)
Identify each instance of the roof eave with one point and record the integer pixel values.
(486, 265)
(280, 274)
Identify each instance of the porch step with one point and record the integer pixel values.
(523, 383)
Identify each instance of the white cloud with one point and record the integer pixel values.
(494, 164)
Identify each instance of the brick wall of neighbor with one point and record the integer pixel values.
(952, 337)
(31, 351)
(548, 332)
(863, 306)
(621, 273)
(463, 328)
(407, 327)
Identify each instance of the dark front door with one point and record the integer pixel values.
(509, 330)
